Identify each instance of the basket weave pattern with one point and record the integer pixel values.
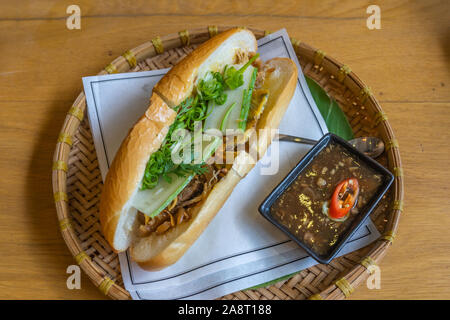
(77, 180)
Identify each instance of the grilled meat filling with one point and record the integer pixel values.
(178, 211)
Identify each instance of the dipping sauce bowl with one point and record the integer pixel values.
(326, 197)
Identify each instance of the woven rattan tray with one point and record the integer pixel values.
(77, 182)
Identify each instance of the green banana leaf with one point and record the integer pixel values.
(336, 122)
(334, 117)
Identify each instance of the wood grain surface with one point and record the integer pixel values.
(406, 64)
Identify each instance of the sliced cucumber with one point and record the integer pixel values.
(152, 201)
(214, 120)
(246, 100)
(223, 124)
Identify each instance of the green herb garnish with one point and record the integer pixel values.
(212, 88)
(209, 91)
(225, 117)
(246, 101)
(190, 111)
(160, 163)
(235, 78)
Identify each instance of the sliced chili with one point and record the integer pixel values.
(344, 198)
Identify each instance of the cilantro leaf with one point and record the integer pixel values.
(212, 87)
(235, 78)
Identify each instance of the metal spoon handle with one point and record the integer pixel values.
(370, 146)
(286, 137)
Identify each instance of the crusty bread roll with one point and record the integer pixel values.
(212, 55)
(126, 172)
(118, 216)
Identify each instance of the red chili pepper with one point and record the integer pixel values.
(344, 198)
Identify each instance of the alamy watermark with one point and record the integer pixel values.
(213, 146)
(74, 20)
(374, 280)
(74, 280)
(374, 20)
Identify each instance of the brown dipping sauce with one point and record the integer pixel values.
(300, 207)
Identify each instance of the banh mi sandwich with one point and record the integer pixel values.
(158, 208)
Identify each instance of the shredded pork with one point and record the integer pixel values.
(178, 211)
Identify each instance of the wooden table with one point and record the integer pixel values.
(406, 64)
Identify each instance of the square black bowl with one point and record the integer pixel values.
(387, 179)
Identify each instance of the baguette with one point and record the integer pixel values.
(118, 217)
